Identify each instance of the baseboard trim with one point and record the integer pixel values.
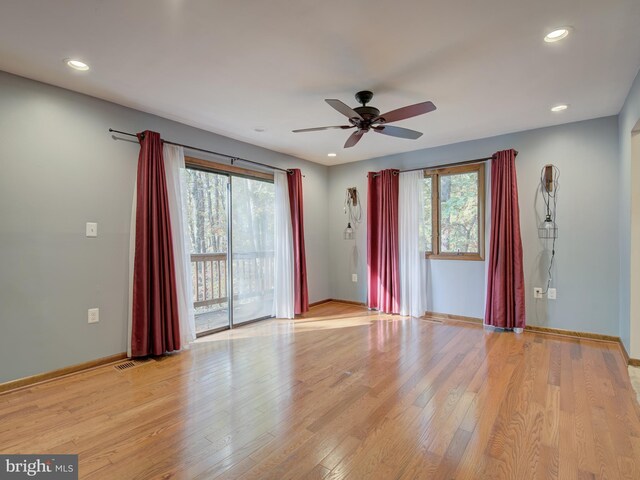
(573, 333)
(634, 362)
(625, 354)
(319, 302)
(336, 300)
(586, 335)
(545, 330)
(19, 383)
(348, 302)
(450, 316)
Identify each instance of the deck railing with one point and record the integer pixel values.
(252, 276)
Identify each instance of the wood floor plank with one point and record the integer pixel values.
(342, 393)
(605, 453)
(583, 425)
(454, 453)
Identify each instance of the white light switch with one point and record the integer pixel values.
(552, 294)
(92, 229)
(354, 277)
(93, 315)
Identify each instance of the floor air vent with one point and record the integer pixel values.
(132, 364)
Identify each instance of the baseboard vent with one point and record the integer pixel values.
(132, 363)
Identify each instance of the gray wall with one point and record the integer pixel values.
(60, 169)
(587, 266)
(627, 120)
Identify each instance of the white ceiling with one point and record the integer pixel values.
(232, 66)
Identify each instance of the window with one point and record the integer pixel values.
(454, 212)
(230, 212)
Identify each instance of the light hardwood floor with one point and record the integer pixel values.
(344, 393)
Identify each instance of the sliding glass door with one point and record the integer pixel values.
(208, 216)
(252, 248)
(223, 206)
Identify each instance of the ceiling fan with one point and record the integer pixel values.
(366, 118)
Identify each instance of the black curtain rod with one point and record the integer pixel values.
(445, 165)
(230, 157)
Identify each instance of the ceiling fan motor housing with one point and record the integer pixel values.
(368, 114)
(364, 97)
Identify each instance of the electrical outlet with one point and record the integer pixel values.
(552, 294)
(92, 229)
(93, 315)
(354, 277)
(537, 292)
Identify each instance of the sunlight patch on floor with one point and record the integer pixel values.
(278, 326)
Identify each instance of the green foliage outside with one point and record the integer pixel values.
(458, 212)
(428, 214)
(253, 215)
(253, 202)
(206, 211)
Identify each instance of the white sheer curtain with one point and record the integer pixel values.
(252, 240)
(283, 299)
(176, 188)
(132, 255)
(413, 278)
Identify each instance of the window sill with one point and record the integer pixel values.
(474, 257)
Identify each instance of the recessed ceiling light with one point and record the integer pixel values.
(559, 108)
(76, 64)
(258, 129)
(557, 34)
(332, 154)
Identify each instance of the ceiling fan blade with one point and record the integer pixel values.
(353, 138)
(343, 108)
(405, 112)
(398, 132)
(316, 129)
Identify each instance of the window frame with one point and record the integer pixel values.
(229, 170)
(435, 174)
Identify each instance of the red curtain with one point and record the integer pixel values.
(155, 326)
(505, 282)
(383, 273)
(297, 222)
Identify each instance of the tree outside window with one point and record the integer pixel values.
(454, 212)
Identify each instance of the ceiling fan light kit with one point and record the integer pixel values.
(366, 118)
